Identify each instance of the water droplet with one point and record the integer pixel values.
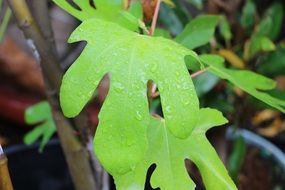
(119, 87)
(138, 116)
(153, 68)
(90, 78)
(133, 167)
(168, 109)
(186, 102)
(130, 142)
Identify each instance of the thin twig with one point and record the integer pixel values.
(151, 87)
(155, 17)
(199, 72)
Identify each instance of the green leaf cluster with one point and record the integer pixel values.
(129, 139)
(39, 114)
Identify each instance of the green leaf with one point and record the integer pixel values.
(248, 14)
(236, 158)
(258, 44)
(131, 60)
(205, 82)
(161, 32)
(197, 3)
(198, 32)
(274, 15)
(170, 19)
(169, 154)
(39, 114)
(273, 63)
(250, 82)
(225, 29)
(110, 10)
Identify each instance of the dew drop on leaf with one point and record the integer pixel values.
(138, 116)
(119, 87)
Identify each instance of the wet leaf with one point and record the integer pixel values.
(169, 154)
(131, 60)
(110, 10)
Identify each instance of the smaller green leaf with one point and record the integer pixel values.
(275, 13)
(259, 44)
(225, 29)
(198, 32)
(248, 14)
(197, 3)
(170, 19)
(205, 82)
(251, 82)
(39, 114)
(273, 63)
(263, 28)
(236, 158)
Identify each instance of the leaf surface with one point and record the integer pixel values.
(250, 82)
(40, 114)
(110, 10)
(169, 154)
(198, 32)
(131, 60)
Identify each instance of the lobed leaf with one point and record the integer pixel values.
(251, 82)
(169, 154)
(110, 10)
(131, 60)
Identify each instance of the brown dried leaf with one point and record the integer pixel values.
(148, 8)
(232, 58)
(264, 116)
(272, 130)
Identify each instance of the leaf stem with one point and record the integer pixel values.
(199, 72)
(155, 17)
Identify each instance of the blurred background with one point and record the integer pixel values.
(252, 146)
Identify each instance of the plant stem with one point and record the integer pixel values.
(79, 155)
(151, 88)
(155, 17)
(42, 17)
(199, 72)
